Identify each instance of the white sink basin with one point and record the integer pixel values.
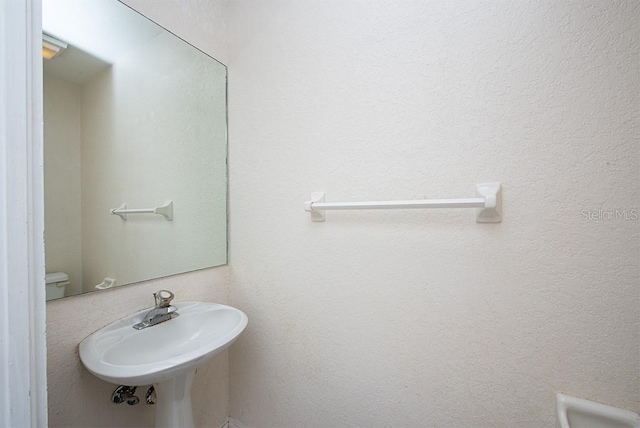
(120, 354)
(165, 355)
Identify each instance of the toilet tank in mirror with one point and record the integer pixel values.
(134, 118)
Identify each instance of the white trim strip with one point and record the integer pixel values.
(23, 400)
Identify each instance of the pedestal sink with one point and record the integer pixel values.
(165, 355)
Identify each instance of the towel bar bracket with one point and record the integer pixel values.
(492, 211)
(316, 215)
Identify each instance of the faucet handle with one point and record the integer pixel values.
(163, 298)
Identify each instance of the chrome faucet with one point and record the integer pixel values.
(164, 310)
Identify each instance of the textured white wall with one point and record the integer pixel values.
(63, 227)
(427, 318)
(77, 398)
(202, 23)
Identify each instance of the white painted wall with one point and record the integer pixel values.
(427, 318)
(77, 398)
(62, 178)
(201, 22)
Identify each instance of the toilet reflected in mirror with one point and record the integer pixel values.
(56, 284)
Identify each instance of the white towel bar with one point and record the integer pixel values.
(166, 211)
(488, 204)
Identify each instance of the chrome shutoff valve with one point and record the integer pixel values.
(125, 393)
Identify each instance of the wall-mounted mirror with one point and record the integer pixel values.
(133, 116)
